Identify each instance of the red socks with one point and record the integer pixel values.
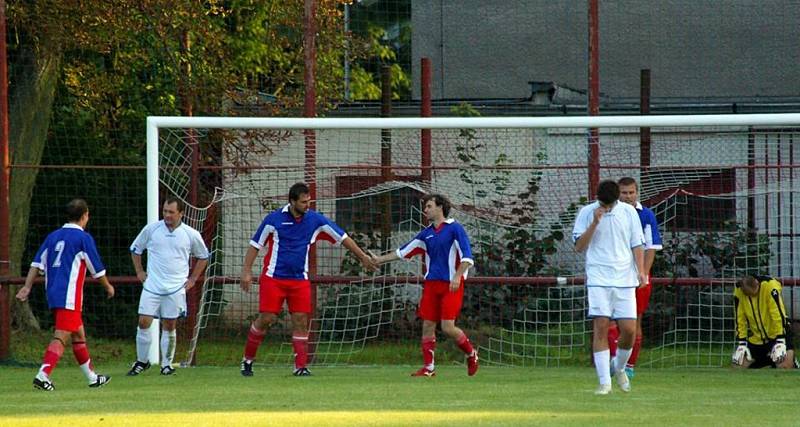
(254, 339)
(464, 344)
(51, 356)
(81, 353)
(613, 337)
(300, 345)
(635, 354)
(428, 350)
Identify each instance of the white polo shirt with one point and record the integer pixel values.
(609, 257)
(168, 255)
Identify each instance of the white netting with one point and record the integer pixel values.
(725, 198)
(554, 331)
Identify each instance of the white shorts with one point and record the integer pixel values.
(612, 302)
(170, 306)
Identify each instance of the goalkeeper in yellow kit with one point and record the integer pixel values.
(762, 329)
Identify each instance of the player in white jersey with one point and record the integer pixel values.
(169, 244)
(610, 233)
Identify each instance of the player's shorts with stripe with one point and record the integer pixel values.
(612, 302)
(438, 303)
(172, 306)
(67, 320)
(272, 292)
(760, 353)
(643, 297)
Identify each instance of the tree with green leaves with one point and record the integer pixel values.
(85, 74)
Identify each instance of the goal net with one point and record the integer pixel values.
(724, 189)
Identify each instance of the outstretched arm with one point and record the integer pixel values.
(387, 257)
(366, 261)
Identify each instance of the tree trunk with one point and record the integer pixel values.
(31, 96)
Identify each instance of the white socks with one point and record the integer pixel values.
(168, 339)
(143, 345)
(623, 355)
(601, 365)
(87, 370)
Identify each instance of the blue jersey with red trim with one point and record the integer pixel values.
(652, 238)
(444, 247)
(64, 257)
(288, 239)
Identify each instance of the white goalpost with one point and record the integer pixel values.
(724, 188)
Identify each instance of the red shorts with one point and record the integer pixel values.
(67, 320)
(272, 293)
(643, 298)
(438, 303)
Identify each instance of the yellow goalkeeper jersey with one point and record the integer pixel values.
(761, 318)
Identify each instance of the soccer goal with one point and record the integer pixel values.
(725, 190)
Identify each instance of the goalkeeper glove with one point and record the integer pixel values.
(778, 353)
(741, 354)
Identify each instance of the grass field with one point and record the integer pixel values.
(344, 396)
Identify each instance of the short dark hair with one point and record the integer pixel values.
(626, 180)
(172, 199)
(440, 200)
(608, 192)
(749, 285)
(75, 209)
(297, 190)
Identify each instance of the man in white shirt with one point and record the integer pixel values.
(611, 235)
(169, 244)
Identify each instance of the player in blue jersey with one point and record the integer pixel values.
(629, 193)
(169, 244)
(64, 258)
(448, 256)
(287, 235)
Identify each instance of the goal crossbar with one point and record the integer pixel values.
(478, 122)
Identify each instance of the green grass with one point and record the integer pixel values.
(388, 396)
(28, 348)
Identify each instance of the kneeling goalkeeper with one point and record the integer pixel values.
(762, 329)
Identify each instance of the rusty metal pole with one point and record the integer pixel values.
(386, 159)
(310, 110)
(5, 187)
(386, 134)
(195, 295)
(594, 97)
(645, 141)
(426, 111)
